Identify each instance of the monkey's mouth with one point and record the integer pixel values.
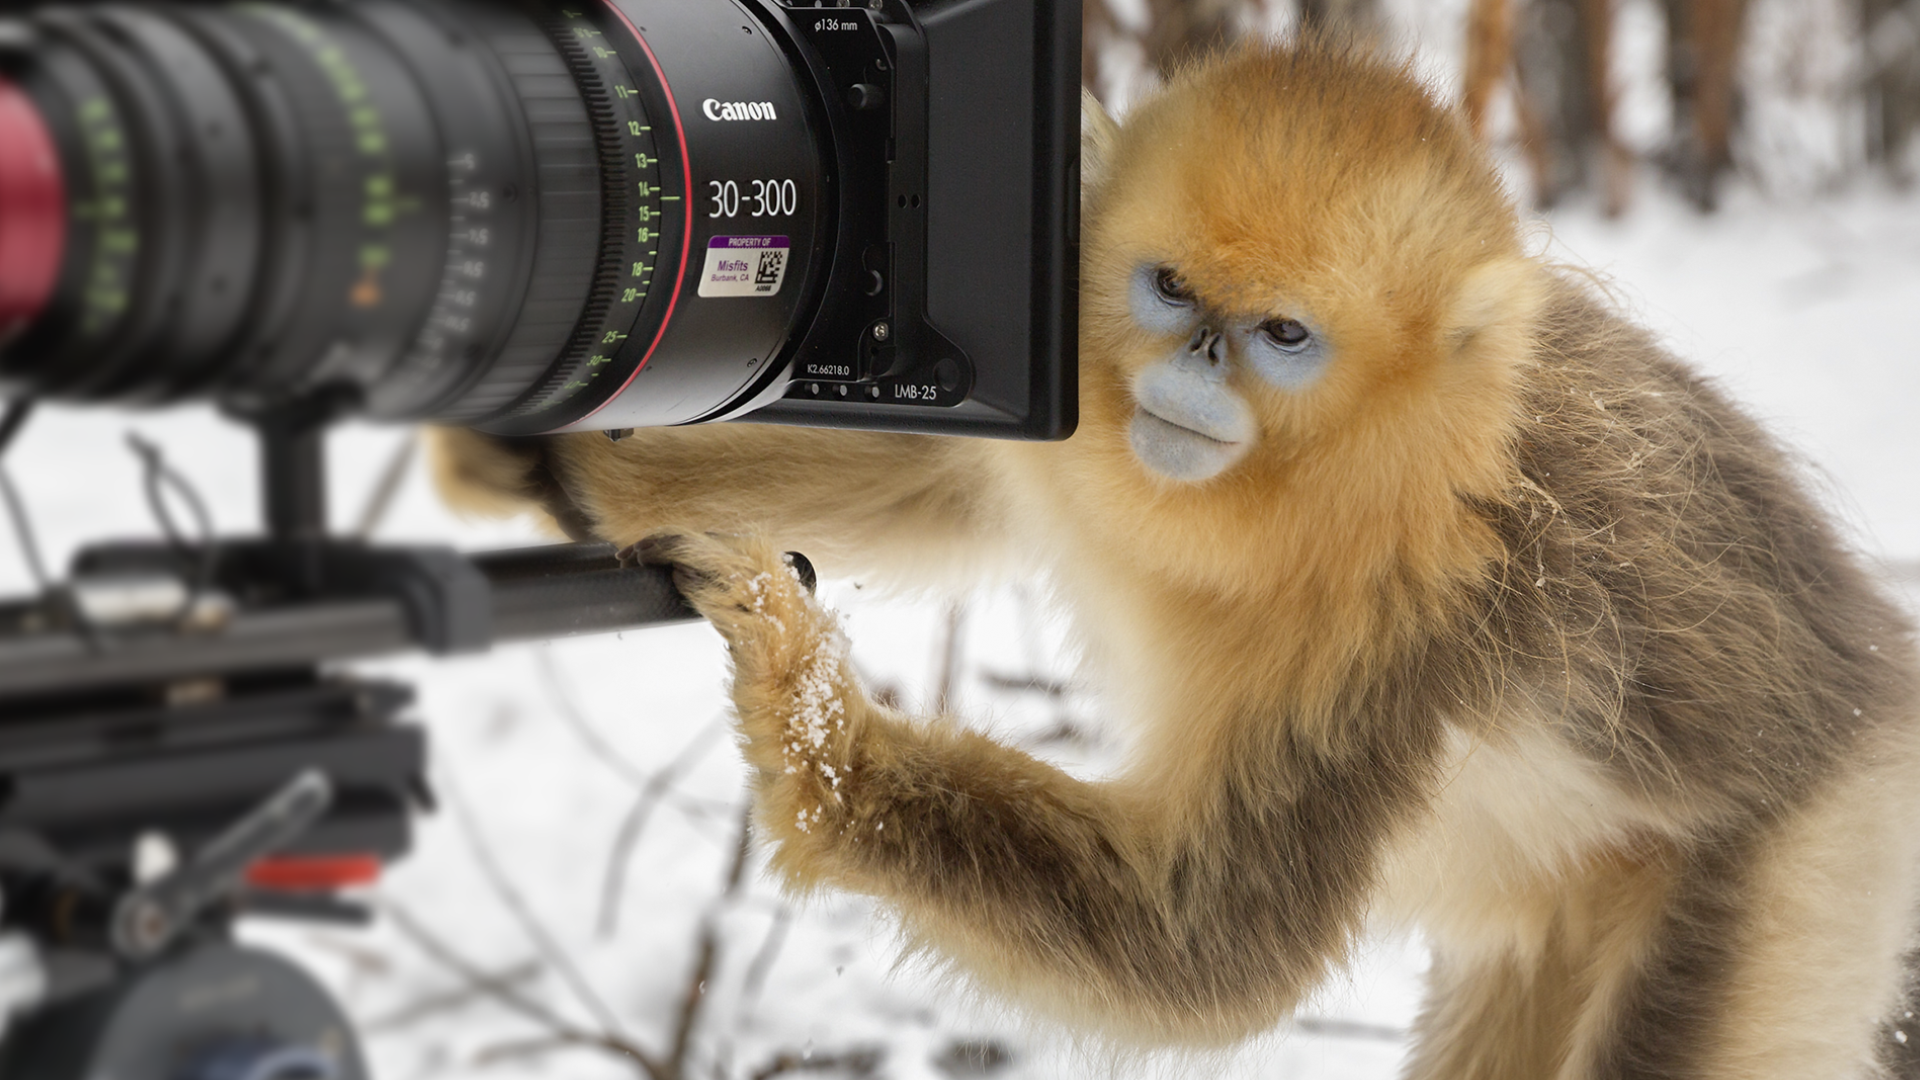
(1179, 452)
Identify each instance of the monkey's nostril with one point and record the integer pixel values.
(1206, 340)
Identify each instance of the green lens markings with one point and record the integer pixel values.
(381, 202)
(108, 209)
(634, 220)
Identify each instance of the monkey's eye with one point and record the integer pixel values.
(1171, 287)
(1288, 334)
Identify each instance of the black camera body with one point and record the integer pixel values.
(601, 214)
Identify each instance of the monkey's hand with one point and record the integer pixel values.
(496, 477)
(799, 706)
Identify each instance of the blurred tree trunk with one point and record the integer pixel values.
(1563, 60)
(1179, 30)
(1890, 33)
(1703, 50)
(1489, 58)
(1098, 29)
(1341, 18)
(1550, 60)
(1615, 161)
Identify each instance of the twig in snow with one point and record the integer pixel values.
(1033, 683)
(884, 694)
(1064, 730)
(523, 1048)
(947, 673)
(509, 996)
(652, 792)
(860, 1061)
(451, 1000)
(601, 748)
(1347, 1029)
(762, 963)
(363, 960)
(706, 956)
(503, 887)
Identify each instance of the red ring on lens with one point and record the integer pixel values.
(686, 235)
(33, 211)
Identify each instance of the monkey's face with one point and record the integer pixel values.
(1193, 417)
(1295, 261)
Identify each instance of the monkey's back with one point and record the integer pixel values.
(1717, 641)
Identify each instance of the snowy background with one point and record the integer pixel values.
(558, 907)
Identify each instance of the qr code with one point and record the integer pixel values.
(771, 264)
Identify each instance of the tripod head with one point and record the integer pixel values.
(186, 700)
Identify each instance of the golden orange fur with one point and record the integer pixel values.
(1507, 626)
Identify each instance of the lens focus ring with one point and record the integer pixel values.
(567, 194)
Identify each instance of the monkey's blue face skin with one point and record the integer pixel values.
(1192, 424)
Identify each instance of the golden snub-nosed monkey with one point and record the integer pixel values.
(1445, 596)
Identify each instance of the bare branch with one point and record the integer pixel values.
(451, 1000)
(1334, 1028)
(762, 963)
(706, 955)
(652, 791)
(363, 960)
(1031, 683)
(515, 1049)
(543, 941)
(947, 661)
(597, 744)
(859, 1061)
(508, 995)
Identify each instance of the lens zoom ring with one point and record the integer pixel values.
(613, 201)
(566, 255)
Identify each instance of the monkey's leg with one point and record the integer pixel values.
(851, 501)
(1494, 1018)
(1197, 915)
(1820, 909)
(1763, 957)
(1542, 1006)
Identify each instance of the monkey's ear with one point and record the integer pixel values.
(1495, 308)
(1097, 135)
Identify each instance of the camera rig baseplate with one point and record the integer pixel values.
(187, 700)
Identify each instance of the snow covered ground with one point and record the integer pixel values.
(1809, 310)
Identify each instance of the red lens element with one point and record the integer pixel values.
(33, 211)
(313, 873)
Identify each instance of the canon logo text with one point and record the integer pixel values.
(738, 110)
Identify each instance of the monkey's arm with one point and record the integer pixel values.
(852, 501)
(1157, 910)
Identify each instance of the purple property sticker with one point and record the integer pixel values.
(744, 266)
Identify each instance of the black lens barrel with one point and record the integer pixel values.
(401, 200)
(520, 216)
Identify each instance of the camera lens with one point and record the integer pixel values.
(475, 212)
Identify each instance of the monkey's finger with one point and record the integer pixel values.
(657, 550)
(695, 561)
